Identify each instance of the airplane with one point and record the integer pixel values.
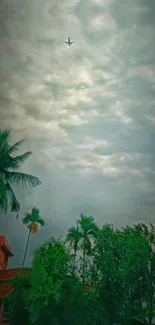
(69, 42)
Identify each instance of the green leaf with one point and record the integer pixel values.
(21, 178)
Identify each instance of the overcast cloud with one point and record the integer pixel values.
(87, 112)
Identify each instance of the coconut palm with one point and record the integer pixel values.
(88, 230)
(32, 221)
(73, 238)
(10, 162)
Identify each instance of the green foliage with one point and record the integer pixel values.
(20, 310)
(119, 277)
(10, 162)
(50, 267)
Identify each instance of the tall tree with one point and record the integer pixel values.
(32, 221)
(88, 229)
(49, 273)
(10, 162)
(73, 238)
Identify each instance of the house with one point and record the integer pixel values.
(6, 274)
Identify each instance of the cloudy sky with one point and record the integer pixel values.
(87, 112)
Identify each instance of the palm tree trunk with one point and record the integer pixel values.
(74, 261)
(27, 244)
(84, 262)
(19, 276)
(151, 295)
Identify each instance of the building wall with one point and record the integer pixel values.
(3, 256)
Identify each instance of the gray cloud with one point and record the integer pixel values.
(86, 112)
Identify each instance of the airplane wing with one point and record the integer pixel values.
(65, 42)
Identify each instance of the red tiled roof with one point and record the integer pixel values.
(5, 290)
(11, 273)
(4, 321)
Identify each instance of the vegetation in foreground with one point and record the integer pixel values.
(97, 276)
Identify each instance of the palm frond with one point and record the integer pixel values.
(69, 238)
(2, 186)
(8, 198)
(27, 219)
(87, 224)
(41, 222)
(21, 178)
(18, 160)
(4, 145)
(70, 232)
(3, 199)
(15, 147)
(4, 135)
(73, 237)
(15, 206)
(35, 213)
(73, 232)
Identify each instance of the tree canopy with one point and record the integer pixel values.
(119, 277)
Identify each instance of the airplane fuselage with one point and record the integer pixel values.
(68, 42)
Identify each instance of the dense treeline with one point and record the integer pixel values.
(95, 276)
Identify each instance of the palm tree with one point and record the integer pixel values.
(32, 221)
(88, 230)
(9, 164)
(73, 238)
